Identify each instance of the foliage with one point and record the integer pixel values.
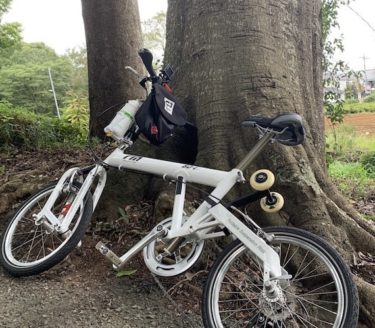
(354, 88)
(22, 128)
(334, 109)
(10, 33)
(76, 113)
(333, 70)
(368, 163)
(154, 33)
(329, 15)
(370, 98)
(24, 78)
(79, 78)
(357, 107)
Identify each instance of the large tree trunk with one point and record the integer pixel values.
(237, 58)
(113, 37)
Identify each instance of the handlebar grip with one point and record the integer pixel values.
(147, 58)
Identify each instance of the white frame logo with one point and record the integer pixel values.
(168, 105)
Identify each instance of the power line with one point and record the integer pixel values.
(361, 17)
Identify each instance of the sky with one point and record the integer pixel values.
(58, 23)
(358, 37)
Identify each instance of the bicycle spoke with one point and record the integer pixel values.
(314, 304)
(53, 244)
(243, 308)
(310, 292)
(295, 252)
(286, 256)
(311, 299)
(24, 218)
(26, 242)
(27, 254)
(291, 313)
(309, 277)
(31, 245)
(303, 261)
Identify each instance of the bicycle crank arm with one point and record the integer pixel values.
(119, 262)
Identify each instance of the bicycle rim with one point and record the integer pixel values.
(315, 297)
(26, 244)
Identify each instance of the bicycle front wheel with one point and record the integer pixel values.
(321, 292)
(28, 248)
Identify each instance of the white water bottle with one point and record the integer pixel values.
(123, 120)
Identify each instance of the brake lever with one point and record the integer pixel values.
(143, 80)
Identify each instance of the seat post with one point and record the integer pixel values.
(255, 151)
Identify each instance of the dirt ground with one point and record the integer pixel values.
(83, 291)
(363, 123)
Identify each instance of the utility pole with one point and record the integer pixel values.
(364, 58)
(54, 93)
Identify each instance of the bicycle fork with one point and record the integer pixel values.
(60, 223)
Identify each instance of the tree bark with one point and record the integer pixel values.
(113, 37)
(237, 58)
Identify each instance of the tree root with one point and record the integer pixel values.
(360, 238)
(366, 293)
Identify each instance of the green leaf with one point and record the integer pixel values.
(123, 214)
(125, 273)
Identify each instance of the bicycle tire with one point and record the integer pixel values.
(18, 267)
(217, 292)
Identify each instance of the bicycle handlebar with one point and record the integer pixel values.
(147, 58)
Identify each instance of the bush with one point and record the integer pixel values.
(370, 98)
(21, 128)
(368, 163)
(76, 113)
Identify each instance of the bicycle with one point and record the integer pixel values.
(272, 277)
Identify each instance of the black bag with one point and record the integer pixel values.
(159, 115)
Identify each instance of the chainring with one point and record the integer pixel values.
(169, 265)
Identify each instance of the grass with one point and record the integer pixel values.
(348, 146)
(351, 164)
(352, 179)
(357, 107)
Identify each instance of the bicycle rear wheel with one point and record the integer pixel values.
(28, 248)
(321, 292)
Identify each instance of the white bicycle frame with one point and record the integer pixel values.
(200, 225)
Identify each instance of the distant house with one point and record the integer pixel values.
(368, 77)
(363, 84)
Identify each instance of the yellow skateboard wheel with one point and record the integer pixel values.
(262, 180)
(273, 207)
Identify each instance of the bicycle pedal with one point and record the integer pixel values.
(104, 250)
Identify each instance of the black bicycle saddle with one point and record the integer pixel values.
(288, 126)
